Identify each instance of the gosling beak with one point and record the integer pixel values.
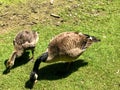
(8, 69)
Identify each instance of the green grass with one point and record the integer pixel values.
(100, 69)
(12, 1)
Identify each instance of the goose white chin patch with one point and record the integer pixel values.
(36, 76)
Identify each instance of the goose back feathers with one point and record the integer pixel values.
(69, 46)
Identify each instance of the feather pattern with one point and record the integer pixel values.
(24, 40)
(67, 45)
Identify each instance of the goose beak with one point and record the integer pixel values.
(35, 81)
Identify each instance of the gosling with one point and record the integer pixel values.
(24, 40)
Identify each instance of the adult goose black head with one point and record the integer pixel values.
(66, 46)
(24, 40)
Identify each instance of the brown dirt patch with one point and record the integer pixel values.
(32, 12)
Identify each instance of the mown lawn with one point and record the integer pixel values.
(97, 69)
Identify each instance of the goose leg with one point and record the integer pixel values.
(65, 70)
(68, 66)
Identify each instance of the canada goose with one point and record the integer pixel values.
(67, 46)
(24, 40)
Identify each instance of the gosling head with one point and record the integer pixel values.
(33, 77)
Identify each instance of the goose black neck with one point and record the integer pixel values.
(40, 59)
(36, 65)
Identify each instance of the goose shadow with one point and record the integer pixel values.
(57, 71)
(18, 62)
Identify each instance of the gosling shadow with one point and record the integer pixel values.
(18, 62)
(56, 71)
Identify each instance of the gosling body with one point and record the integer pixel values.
(24, 40)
